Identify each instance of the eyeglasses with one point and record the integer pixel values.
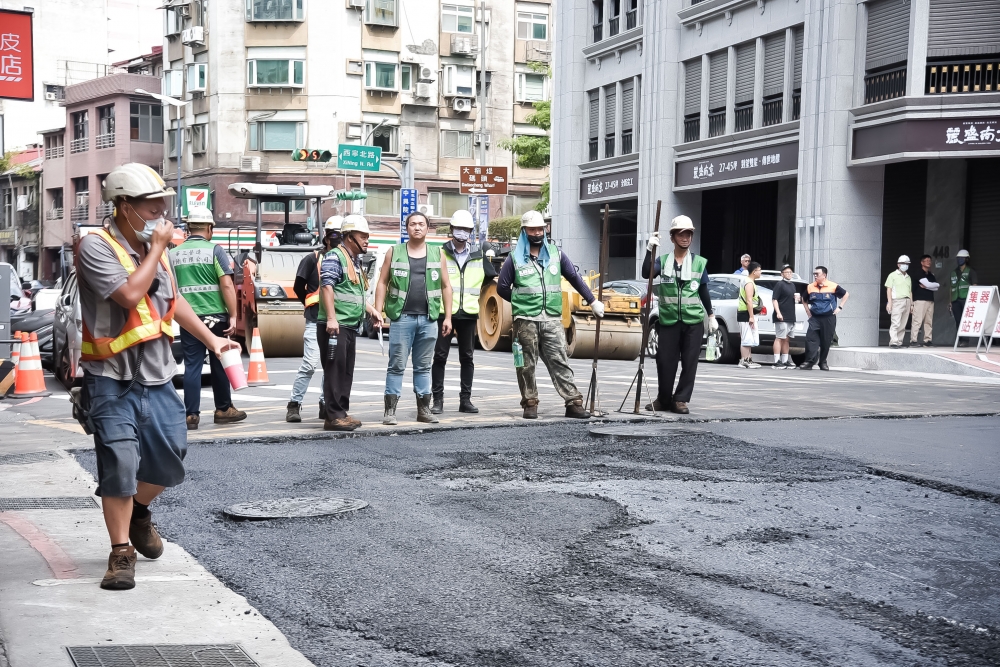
(817, 274)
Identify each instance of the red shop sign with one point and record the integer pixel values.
(17, 81)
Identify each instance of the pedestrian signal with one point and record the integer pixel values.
(311, 155)
(351, 195)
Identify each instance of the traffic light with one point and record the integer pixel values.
(311, 155)
(351, 195)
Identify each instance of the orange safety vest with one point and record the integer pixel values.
(143, 322)
(313, 297)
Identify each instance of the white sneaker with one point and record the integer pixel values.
(749, 363)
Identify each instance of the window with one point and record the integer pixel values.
(106, 120)
(446, 203)
(277, 135)
(456, 144)
(199, 138)
(196, 77)
(598, 6)
(406, 77)
(382, 201)
(146, 123)
(456, 18)
(296, 206)
(173, 83)
(275, 73)
(275, 10)
(458, 80)
(532, 26)
(532, 87)
(380, 76)
(55, 91)
(594, 124)
(172, 143)
(56, 199)
(81, 122)
(519, 204)
(385, 137)
(381, 12)
(174, 22)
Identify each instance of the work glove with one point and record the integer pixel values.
(653, 242)
(598, 308)
(713, 325)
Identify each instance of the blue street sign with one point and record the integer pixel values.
(407, 205)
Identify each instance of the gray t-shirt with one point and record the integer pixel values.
(416, 294)
(99, 274)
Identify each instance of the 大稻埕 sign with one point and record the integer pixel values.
(609, 186)
(483, 180)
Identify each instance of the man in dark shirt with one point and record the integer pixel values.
(923, 303)
(783, 300)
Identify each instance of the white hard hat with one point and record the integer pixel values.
(200, 216)
(134, 180)
(334, 222)
(903, 259)
(532, 219)
(681, 223)
(462, 218)
(354, 223)
(962, 253)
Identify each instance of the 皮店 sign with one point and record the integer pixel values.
(17, 80)
(979, 313)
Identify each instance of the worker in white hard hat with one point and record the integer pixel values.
(899, 301)
(342, 309)
(467, 270)
(204, 274)
(684, 305)
(128, 303)
(963, 277)
(306, 288)
(531, 279)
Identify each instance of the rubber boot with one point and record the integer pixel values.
(531, 408)
(322, 409)
(465, 405)
(389, 418)
(293, 416)
(437, 407)
(424, 413)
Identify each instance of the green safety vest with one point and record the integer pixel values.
(466, 282)
(535, 287)
(399, 282)
(960, 283)
(348, 294)
(198, 274)
(741, 303)
(683, 304)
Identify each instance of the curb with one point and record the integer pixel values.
(936, 484)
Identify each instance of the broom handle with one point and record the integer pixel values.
(602, 269)
(645, 314)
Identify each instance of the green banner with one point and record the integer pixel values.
(359, 158)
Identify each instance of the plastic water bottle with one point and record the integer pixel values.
(712, 349)
(331, 349)
(518, 354)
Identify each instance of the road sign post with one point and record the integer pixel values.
(483, 181)
(407, 205)
(359, 158)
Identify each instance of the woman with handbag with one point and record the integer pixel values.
(746, 316)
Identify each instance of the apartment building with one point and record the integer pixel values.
(264, 77)
(19, 217)
(837, 132)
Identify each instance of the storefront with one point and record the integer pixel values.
(618, 190)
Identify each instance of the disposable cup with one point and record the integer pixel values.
(233, 363)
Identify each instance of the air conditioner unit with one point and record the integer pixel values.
(51, 97)
(183, 10)
(354, 130)
(195, 35)
(464, 45)
(249, 163)
(462, 105)
(423, 90)
(426, 209)
(479, 137)
(355, 4)
(426, 74)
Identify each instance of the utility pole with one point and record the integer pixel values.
(365, 143)
(482, 82)
(407, 161)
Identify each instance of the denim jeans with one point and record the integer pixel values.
(194, 358)
(310, 362)
(416, 333)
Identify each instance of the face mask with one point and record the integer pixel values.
(787, 280)
(961, 261)
(146, 234)
(460, 235)
(536, 240)
(904, 267)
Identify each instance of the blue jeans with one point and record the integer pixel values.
(416, 333)
(194, 358)
(310, 362)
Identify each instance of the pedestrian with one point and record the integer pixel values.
(341, 311)
(824, 299)
(899, 301)
(307, 290)
(744, 269)
(962, 278)
(413, 290)
(784, 296)
(204, 274)
(467, 270)
(923, 304)
(748, 306)
(684, 303)
(531, 280)
(129, 299)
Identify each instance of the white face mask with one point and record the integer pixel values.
(903, 267)
(460, 235)
(146, 233)
(787, 280)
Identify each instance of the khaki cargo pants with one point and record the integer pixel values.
(548, 341)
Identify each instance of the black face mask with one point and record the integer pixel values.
(536, 240)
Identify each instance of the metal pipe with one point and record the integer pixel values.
(365, 143)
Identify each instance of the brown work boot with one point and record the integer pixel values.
(424, 413)
(192, 422)
(230, 416)
(655, 405)
(121, 570)
(575, 410)
(341, 424)
(679, 407)
(356, 422)
(143, 536)
(531, 409)
(292, 415)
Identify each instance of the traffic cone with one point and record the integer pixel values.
(15, 351)
(30, 381)
(257, 375)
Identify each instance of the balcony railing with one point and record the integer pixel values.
(771, 111)
(885, 85)
(594, 143)
(743, 117)
(965, 76)
(613, 25)
(598, 32)
(692, 128)
(54, 214)
(609, 146)
(105, 141)
(716, 123)
(53, 152)
(102, 210)
(631, 19)
(796, 104)
(626, 142)
(79, 213)
(79, 145)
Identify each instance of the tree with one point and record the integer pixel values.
(532, 152)
(20, 170)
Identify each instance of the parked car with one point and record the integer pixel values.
(638, 288)
(40, 323)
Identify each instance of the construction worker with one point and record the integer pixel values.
(467, 270)
(205, 277)
(531, 279)
(684, 303)
(961, 279)
(128, 301)
(306, 288)
(413, 290)
(899, 300)
(341, 310)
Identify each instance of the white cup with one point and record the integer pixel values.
(232, 361)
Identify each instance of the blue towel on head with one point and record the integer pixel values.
(521, 251)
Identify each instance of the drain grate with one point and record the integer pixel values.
(64, 503)
(28, 457)
(290, 508)
(161, 655)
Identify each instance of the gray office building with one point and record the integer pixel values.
(815, 132)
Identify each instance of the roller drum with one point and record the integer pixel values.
(496, 321)
(620, 338)
(281, 333)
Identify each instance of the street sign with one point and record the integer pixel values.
(195, 196)
(407, 205)
(980, 308)
(479, 209)
(17, 80)
(359, 158)
(483, 181)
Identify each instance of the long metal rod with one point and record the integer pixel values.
(645, 316)
(602, 268)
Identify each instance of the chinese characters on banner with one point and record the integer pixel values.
(973, 133)
(407, 205)
(979, 313)
(16, 66)
(483, 180)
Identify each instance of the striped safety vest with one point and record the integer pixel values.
(681, 302)
(348, 294)
(399, 282)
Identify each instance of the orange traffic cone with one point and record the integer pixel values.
(257, 375)
(15, 351)
(30, 381)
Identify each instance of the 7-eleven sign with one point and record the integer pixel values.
(196, 196)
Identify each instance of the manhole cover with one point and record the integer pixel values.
(644, 431)
(161, 655)
(27, 457)
(290, 508)
(65, 503)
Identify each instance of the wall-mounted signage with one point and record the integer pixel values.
(609, 186)
(17, 80)
(936, 135)
(748, 164)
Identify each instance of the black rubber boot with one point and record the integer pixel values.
(437, 406)
(293, 416)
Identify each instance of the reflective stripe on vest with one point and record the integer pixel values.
(466, 282)
(682, 304)
(960, 283)
(399, 282)
(198, 276)
(143, 322)
(348, 294)
(536, 288)
(313, 297)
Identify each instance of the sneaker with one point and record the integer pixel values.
(807, 366)
(779, 365)
(121, 570)
(230, 416)
(748, 363)
(143, 536)
(192, 422)
(789, 364)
